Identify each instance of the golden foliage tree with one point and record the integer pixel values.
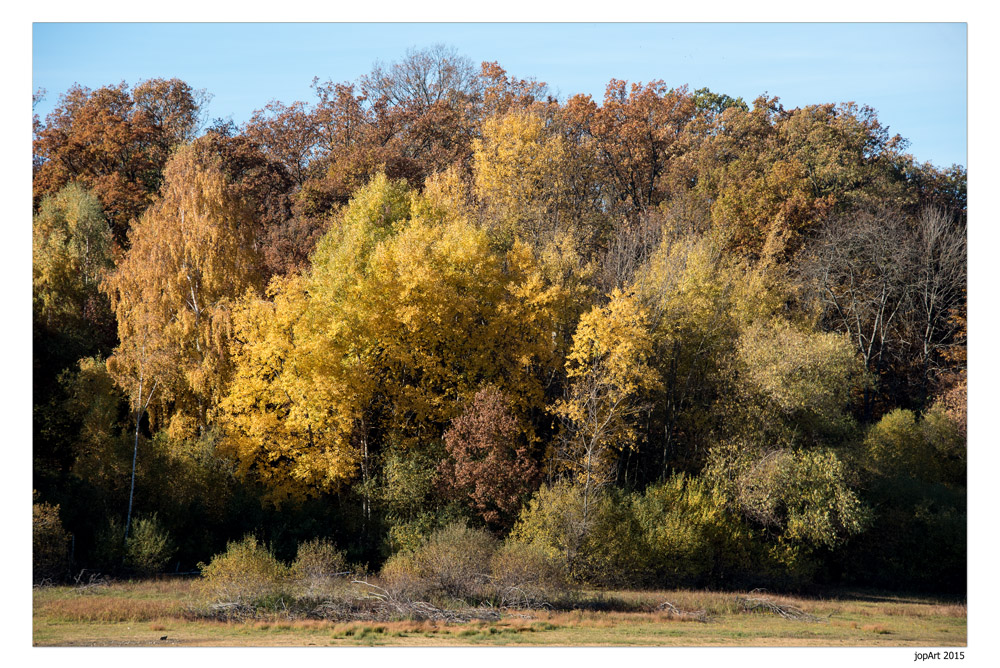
(610, 374)
(191, 254)
(406, 312)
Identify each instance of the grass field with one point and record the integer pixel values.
(163, 613)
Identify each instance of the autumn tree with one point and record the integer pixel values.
(287, 134)
(116, 143)
(490, 466)
(503, 93)
(71, 251)
(636, 132)
(519, 172)
(610, 375)
(405, 313)
(286, 235)
(190, 255)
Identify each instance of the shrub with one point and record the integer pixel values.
(317, 565)
(149, 547)
(601, 547)
(525, 573)
(453, 561)
(147, 551)
(246, 573)
(49, 543)
(692, 540)
(318, 558)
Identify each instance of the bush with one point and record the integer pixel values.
(604, 548)
(692, 540)
(49, 543)
(149, 547)
(246, 573)
(525, 574)
(147, 551)
(453, 562)
(318, 565)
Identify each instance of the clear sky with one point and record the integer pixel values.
(913, 74)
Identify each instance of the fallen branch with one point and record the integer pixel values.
(394, 606)
(767, 606)
(673, 611)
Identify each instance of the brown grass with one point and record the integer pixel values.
(106, 616)
(95, 609)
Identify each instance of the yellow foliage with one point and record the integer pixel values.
(407, 312)
(191, 253)
(610, 370)
(520, 175)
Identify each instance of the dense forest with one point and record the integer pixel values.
(667, 338)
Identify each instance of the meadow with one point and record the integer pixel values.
(171, 612)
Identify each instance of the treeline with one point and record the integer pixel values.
(669, 338)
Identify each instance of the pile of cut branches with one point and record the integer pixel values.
(676, 613)
(758, 604)
(394, 606)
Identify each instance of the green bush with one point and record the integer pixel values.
(149, 547)
(929, 448)
(49, 543)
(246, 573)
(147, 551)
(453, 562)
(598, 545)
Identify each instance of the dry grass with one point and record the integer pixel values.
(109, 609)
(142, 613)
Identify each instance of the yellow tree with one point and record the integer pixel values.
(288, 416)
(610, 374)
(190, 255)
(519, 175)
(407, 311)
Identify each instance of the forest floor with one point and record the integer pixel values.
(162, 613)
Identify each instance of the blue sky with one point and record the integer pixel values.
(913, 74)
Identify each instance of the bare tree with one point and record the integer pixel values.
(422, 78)
(939, 286)
(860, 268)
(893, 284)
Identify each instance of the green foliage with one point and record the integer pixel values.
(146, 552)
(246, 573)
(594, 539)
(802, 497)
(71, 250)
(929, 448)
(102, 450)
(804, 379)
(49, 543)
(149, 546)
(689, 538)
